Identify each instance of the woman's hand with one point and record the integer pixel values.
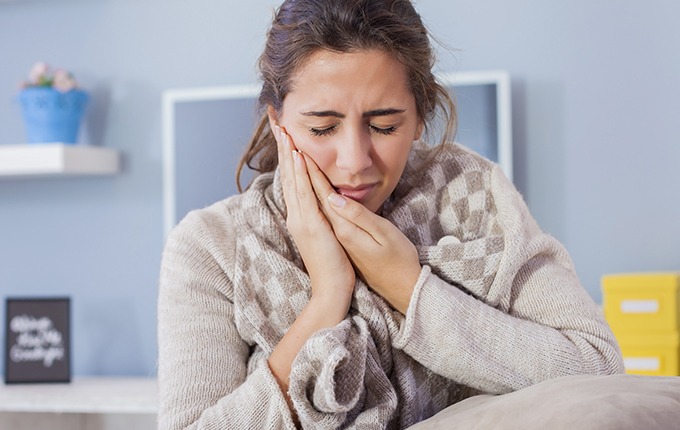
(331, 273)
(384, 257)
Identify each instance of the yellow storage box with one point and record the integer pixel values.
(642, 302)
(650, 354)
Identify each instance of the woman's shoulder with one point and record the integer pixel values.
(464, 158)
(217, 223)
(224, 218)
(450, 163)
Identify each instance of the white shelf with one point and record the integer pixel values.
(92, 395)
(56, 159)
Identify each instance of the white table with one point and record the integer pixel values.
(95, 403)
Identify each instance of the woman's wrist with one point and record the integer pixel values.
(399, 294)
(329, 309)
(320, 312)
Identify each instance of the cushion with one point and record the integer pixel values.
(571, 402)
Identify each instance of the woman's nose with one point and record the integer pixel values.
(354, 154)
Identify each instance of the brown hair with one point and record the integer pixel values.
(302, 27)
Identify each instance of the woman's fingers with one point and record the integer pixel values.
(326, 262)
(322, 188)
(350, 220)
(301, 201)
(287, 170)
(303, 192)
(352, 211)
(301, 197)
(357, 215)
(383, 256)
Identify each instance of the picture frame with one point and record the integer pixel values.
(37, 340)
(206, 130)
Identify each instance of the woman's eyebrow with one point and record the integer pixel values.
(323, 113)
(369, 114)
(382, 112)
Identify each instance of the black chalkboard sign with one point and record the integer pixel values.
(37, 340)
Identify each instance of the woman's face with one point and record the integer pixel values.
(354, 115)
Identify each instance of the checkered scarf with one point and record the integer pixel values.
(351, 375)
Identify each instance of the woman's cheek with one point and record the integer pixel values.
(323, 157)
(326, 162)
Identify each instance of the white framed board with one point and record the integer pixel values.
(206, 130)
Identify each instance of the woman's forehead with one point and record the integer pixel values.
(369, 76)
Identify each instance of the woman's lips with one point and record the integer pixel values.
(355, 193)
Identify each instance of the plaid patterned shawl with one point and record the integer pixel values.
(352, 374)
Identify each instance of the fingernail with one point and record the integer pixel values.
(296, 158)
(277, 132)
(337, 200)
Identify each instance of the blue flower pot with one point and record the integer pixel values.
(52, 116)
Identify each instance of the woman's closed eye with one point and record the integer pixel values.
(383, 130)
(326, 131)
(322, 131)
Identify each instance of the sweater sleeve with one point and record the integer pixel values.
(535, 322)
(337, 376)
(203, 374)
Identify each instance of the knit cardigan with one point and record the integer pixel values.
(497, 307)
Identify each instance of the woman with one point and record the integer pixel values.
(364, 278)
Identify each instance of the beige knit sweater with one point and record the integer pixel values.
(497, 307)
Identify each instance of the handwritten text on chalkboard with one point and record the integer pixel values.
(37, 340)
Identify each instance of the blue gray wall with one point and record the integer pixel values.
(595, 96)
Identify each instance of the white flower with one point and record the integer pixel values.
(63, 81)
(39, 73)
